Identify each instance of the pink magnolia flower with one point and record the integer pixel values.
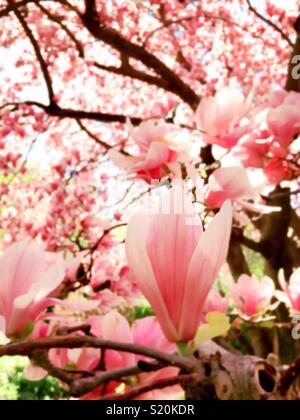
(115, 327)
(27, 279)
(228, 183)
(220, 117)
(175, 262)
(156, 151)
(252, 296)
(215, 303)
(251, 151)
(147, 332)
(291, 291)
(284, 123)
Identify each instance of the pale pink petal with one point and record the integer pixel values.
(228, 183)
(157, 155)
(122, 161)
(49, 281)
(34, 373)
(171, 242)
(21, 266)
(2, 324)
(209, 256)
(115, 327)
(140, 265)
(147, 332)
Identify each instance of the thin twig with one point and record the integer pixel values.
(159, 384)
(39, 56)
(270, 23)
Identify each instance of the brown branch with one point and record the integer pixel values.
(159, 384)
(114, 39)
(27, 348)
(82, 386)
(129, 71)
(236, 259)
(105, 233)
(270, 23)
(12, 7)
(249, 243)
(58, 20)
(93, 137)
(41, 359)
(38, 54)
(96, 116)
(55, 111)
(288, 379)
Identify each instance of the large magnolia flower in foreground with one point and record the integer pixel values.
(27, 278)
(175, 262)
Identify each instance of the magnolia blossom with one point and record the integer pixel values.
(146, 332)
(175, 262)
(215, 303)
(228, 183)
(291, 290)
(284, 118)
(220, 117)
(252, 296)
(114, 327)
(27, 279)
(157, 148)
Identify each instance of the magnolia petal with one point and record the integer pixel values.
(2, 324)
(21, 266)
(122, 161)
(34, 373)
(50, 281)
(208, 258)
(140, 265)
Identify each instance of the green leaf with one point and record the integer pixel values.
(217, 324)
(27, 331)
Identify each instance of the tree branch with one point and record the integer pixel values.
(82, 386)
(159, 384)
(112, 38)
(39, 56)
(55, 111)
(57, 19)
(12, 7)
(102, 143)
(41, 359)
(270, 23)
(249, 243)
(27, 348)
(129, 71)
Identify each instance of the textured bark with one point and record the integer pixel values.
(236, 259)
(226, 376)
(274, 230)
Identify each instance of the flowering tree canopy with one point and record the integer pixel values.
(150, 196)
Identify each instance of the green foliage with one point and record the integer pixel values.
(14, 386)
(255, 260)
(142, 311)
